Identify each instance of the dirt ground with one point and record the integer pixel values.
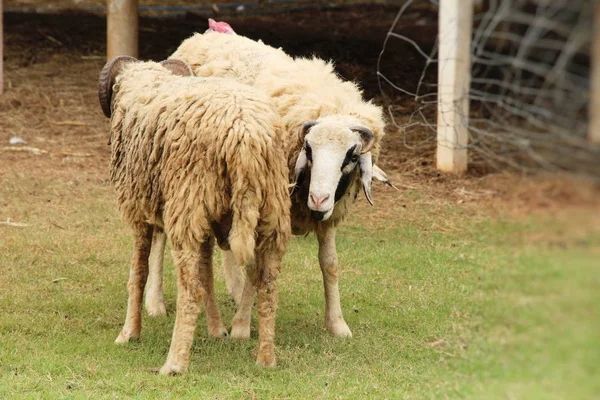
(51, 70)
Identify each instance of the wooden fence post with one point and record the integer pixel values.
(594, 110)
(122, 28)
(454, 79)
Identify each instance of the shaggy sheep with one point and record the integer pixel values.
(200, 159)
(335, 138)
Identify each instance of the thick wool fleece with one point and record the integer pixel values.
(196, 155)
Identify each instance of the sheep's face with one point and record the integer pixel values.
(335, 149)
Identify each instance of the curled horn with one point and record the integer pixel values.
(106, 80)
(177, 67)
(306, 127)
(367, 137)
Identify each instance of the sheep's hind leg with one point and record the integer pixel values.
(328, 260)
(189, 296)
(240, 326)
(234, 277)
(155, 305)
(213, 316)
(138, 274)
(268, 268)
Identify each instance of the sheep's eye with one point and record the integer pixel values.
(351, 157)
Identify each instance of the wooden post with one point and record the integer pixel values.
(594, 110)
(1, 49)
(122, 28)
(454, 79)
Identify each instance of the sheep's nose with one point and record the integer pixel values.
(318, 199)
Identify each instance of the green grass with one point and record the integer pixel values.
(480, 312)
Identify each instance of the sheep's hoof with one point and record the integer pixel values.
(125, 337)
(172, 369)
(156, 309)
(339, 328)
(266, 360)
(240, 332)
(219, 332)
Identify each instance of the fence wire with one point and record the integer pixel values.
(530, 83)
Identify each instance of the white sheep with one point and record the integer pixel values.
(201, 159)
(336, 137)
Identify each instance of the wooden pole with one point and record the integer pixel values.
(594, 111)
(454, 79)
(122, 28)
(1, 48)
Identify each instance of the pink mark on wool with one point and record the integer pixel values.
(222, 27)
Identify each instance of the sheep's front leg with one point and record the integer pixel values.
(328, 260)
(268, 269)
(213, 315)
(189, 295)
(138, 273)
(234, 277)
(240, 326)
(155, 305)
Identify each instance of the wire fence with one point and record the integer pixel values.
(530, 83)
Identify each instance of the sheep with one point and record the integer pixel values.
(196, 160)
(335, 138)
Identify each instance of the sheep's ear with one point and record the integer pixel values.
(365, 165)
(306, 127)
(382, 176)
(366, 136)
(301, 164)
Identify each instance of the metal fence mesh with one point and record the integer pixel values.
(530, 83)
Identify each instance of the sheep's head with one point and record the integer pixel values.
(112, 69)
(335, 149)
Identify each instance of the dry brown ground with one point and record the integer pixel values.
(52, 63)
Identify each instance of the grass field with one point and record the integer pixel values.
(444, 304)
